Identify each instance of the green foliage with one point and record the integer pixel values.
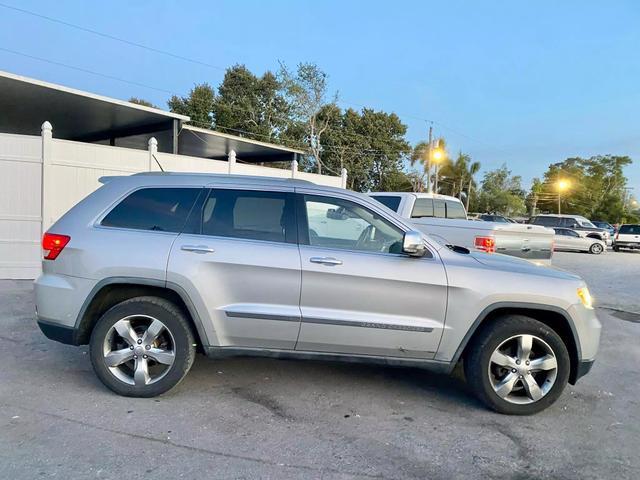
(248, 105)
(141, 101)
(596, 187)
(501, 192)
(369, 144)
(198, 105)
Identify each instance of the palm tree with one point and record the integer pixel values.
(473, 169)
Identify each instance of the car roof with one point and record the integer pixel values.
(417, 195)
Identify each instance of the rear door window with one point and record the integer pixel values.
(249, 214)
(455, 210)
(423, 207)
(157, 209)
(388, 201)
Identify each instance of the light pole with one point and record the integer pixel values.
(562, 185)
(437, 155)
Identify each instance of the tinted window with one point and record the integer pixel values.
(249, 214)
(390, 202)
(455, 210)
(161, 209)
(439, 209)
(337, 223)
(560, 231)
(422, 208)
(630, 229)
(546, 221)
(569, 222)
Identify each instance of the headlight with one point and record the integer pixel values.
(585, 297)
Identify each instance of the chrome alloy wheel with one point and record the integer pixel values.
(523, 369)
(139, 350)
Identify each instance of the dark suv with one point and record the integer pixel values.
(574, 222)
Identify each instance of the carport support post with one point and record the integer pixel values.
(294, 169)
(343, 176)
(231, 157)
(153, 150)
(45, 180)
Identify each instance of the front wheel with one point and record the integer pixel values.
(142, 347)
(596, 249)
(517, 365)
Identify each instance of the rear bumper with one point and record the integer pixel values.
(627, 244)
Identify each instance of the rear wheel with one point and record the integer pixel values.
(142, 347)
(616, 249)
(596, 249)
(517, 365)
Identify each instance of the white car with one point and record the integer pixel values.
(628, 236)
(568, 239)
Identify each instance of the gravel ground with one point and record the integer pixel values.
(257, 418)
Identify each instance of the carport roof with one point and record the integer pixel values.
(26, 103)
(200, 142)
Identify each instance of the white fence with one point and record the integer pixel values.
(43, 177)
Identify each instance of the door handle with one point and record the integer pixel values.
(197, 248)
(326, 261)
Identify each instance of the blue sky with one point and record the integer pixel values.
(522, 83)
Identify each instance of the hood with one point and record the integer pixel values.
(507, 263)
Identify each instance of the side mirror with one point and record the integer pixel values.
(413, 245)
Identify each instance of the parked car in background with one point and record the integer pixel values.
(628, 236)
(605, 225)
(489, 217)
(567, 239)
(445, 218)
(578, 223)
(151, 268)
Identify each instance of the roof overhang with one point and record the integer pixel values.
(26, 103)
(200, 142)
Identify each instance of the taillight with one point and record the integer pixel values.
(485, 244)
(53, 244)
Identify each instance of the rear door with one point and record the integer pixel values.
(360, 294)
(238, 260)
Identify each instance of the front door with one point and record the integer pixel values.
(360, 294)
(240, 264)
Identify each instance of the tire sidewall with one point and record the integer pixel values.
(182, 337)
(501, 331)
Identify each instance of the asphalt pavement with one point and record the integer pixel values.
(263, 418)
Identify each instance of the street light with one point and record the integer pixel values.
(437, 155)
(562, 186)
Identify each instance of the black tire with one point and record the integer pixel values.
(616, 249)
(487, 340)
(175, 323)
(596, 249)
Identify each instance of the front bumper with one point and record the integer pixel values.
(57, 332)
(581, 370)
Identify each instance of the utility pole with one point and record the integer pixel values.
(428, 166)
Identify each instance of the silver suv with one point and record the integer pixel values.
(152, 268)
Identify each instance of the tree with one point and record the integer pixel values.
(537, 189)
(369, 144)
(198, 105)
(501, 192)
(596, 187)
(306, 93)
(474, 168)
(248, 105)
(141, 101)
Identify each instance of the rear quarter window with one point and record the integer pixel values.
(630, 229)
(156, 209)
